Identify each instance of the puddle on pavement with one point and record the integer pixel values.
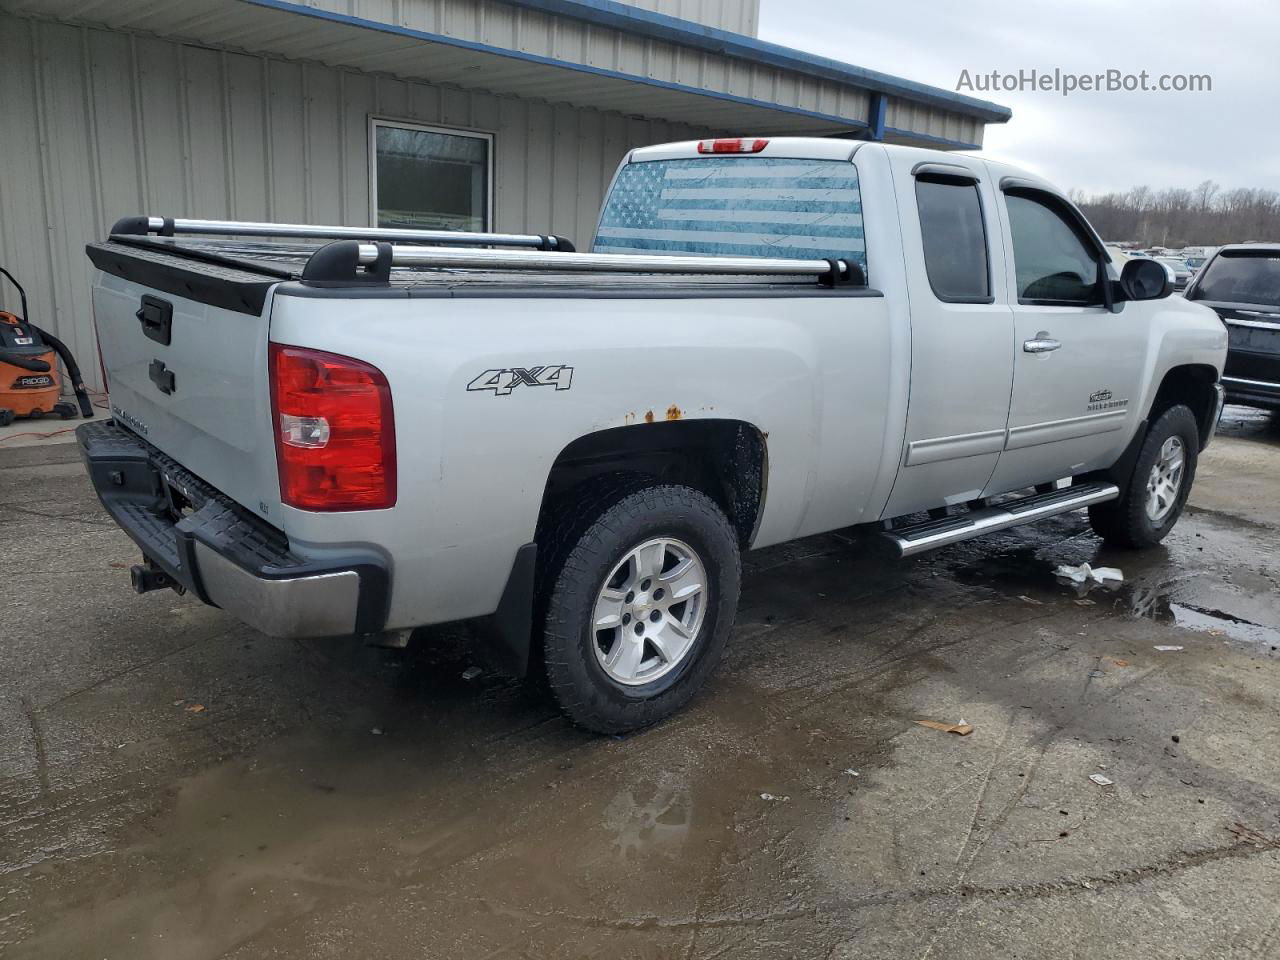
(436, 809)
(1159, 584)
(1251, 424)
(1153, 603)
(649, 818)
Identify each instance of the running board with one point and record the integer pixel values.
(931, 534)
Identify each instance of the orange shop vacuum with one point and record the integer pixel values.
(29, 381)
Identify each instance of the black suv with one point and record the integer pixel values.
(1242, 283)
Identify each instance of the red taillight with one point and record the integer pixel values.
(735, 145)
(335, 434)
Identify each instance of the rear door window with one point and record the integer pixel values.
(955, 240)
(736, 207)
(1242, 276)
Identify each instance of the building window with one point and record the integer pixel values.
(428, 178)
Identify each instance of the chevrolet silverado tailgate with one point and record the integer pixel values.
(184, 346)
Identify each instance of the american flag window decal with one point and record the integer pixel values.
(736, 207)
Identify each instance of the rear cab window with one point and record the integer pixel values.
(731, 206)
(1242, 276)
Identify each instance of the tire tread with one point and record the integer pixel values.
(1123, 522)
(582, 540)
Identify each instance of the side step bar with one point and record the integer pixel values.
(931, 534)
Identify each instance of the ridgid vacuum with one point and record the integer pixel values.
(29, 382)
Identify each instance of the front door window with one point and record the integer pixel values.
(1053, 264)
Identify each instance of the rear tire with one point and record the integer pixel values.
(1162, 477)
(640, 607)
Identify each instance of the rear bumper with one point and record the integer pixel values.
(209, 545)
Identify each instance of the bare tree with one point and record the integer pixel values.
(1205, 191)
(1203, 215)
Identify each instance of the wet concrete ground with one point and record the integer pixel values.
(173, 785)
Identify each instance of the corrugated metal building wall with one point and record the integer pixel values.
(737, 16)
(98, 124)
(923, 120)
(612, 49)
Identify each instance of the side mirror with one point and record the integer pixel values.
(1144, 280)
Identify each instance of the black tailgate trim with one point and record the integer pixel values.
(205, 278)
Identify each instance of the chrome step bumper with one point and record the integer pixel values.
(931, 534)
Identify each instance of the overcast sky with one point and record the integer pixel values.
(1092, 141)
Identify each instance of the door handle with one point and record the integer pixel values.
(1041, 343)
(156, 317)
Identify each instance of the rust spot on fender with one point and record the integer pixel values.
(648, 416)
(673, 412)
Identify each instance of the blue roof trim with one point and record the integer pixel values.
(288, 6)
(611, 13)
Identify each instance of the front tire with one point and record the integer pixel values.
(640, 608)
(1162, 477)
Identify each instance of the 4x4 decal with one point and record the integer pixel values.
(502, 381)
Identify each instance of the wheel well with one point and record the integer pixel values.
(725, 459)
(1193, 386)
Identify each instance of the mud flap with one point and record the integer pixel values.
(507, 633)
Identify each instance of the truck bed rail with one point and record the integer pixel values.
(348, 261)
(367, 254)
(417, 256)
(171, 226)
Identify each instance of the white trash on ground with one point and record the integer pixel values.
(1084, 573)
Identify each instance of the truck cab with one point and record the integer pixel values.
(1016, 361)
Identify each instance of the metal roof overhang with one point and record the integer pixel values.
(273, 26)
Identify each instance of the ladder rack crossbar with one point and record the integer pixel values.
(171, 226)
(417, 256)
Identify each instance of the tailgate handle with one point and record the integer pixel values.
(160, 376)
(156, 317)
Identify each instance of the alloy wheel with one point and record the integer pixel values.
(649, 611)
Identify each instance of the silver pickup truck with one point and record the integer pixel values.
(354, 431)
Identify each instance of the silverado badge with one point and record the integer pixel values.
(1103, 400)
